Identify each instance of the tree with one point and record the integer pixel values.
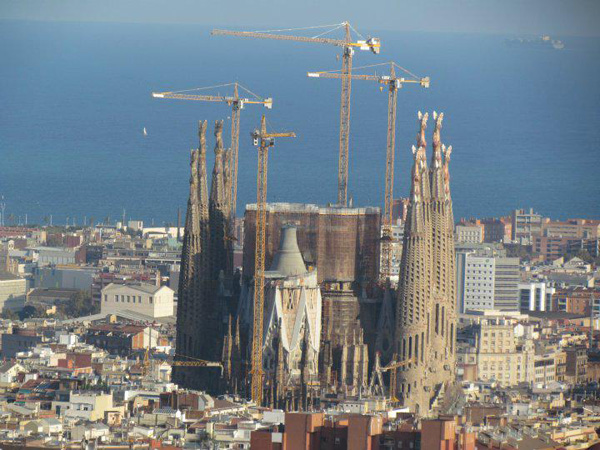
(9, 314)
(30, 311)
(80, 304)
(518, 251)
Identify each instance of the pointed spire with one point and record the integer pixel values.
(414, 215)
(190, 308)
(203, 178)
(217, 189)
(421, 142)
(219, 215)
(421, 156)
(227, 176)
(437, 175)
(450, 214)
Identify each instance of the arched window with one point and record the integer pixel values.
(417, 348)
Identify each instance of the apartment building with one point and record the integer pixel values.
(536, 296)
(469, 233)
(525, 225)
(486, 279)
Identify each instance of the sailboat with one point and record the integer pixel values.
(145, 132)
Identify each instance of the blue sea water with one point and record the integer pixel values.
(74, 98)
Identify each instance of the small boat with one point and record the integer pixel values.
(145, 132)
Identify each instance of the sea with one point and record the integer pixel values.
(524, 122)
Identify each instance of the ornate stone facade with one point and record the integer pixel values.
(292, 325)
(204, 267)
(425, 310)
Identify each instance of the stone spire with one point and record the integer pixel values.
(219, 215)
(425, 318)
(450, 258)
(227, 177)
(194, 300)
(190, 294)
(203, 182)
(442, 245)
(413, 317)
(437, 171)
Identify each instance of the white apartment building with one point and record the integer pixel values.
(536, 296)
(472, 234)
(486, 280)
(148, 299)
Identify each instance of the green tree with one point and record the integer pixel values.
(79, 305)
(9, 314)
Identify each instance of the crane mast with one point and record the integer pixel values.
(387, 235)
(263, 140)
(345, 122)
(235, 145)
(394, 83)
(347, 45)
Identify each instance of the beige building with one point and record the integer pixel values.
(148, 299)
(571, 228)
(508, 351)
(500, 357)
(13, 291)
(469, 233)
(545, 368)
(90, 406)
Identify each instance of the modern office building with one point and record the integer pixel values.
(486, 279)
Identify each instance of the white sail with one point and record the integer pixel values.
(145, 132)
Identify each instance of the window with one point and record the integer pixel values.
(116, 299)
(105, 297)
(151, 300)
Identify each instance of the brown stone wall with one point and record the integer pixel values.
(342, 242)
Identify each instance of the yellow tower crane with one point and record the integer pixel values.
(376, 377)
(237, 104)
(263, 141)
(348, 45)
(393, 367)
(393, 83)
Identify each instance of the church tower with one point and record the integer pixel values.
(193, 296)
(425, 316)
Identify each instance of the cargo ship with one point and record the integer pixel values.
(542, 41)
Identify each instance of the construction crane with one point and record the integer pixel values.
(393, 83)
(348, 46)
(263, 141)
(393, 368)
(195, 362)
(237, 103)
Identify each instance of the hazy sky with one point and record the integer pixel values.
(555, 17)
